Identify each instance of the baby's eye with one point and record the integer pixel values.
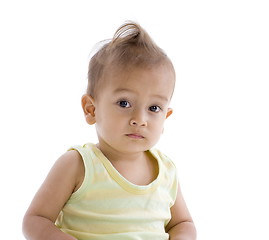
(124, 104)
(154, 109)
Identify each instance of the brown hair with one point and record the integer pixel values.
(130, 46)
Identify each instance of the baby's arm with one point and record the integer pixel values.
(61, 182)
(181, 226)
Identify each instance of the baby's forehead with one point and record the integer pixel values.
(158, 80)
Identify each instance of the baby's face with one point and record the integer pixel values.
(132, 106)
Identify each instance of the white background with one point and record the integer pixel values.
(218, 135)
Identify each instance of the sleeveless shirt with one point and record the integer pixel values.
(108, 206)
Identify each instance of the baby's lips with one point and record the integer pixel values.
(135, 136)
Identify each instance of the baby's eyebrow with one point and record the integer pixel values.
(161, 97)
(121, 90)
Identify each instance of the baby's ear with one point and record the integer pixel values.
(88, 107)
(169, 112)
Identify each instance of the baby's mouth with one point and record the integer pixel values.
(135, 136)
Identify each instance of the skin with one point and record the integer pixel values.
(129, 112)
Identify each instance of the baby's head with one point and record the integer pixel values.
(131, 47)
(130, 85)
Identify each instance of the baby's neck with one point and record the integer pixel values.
(116, 156)
(140, 168)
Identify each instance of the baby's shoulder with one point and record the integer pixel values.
(163, 157)
(71, 164)
(71, 158)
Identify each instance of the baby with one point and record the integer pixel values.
(121, 187)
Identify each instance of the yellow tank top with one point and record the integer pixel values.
(107, 206)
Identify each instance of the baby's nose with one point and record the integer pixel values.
(135, 122)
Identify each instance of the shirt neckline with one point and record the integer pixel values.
(122, 181)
